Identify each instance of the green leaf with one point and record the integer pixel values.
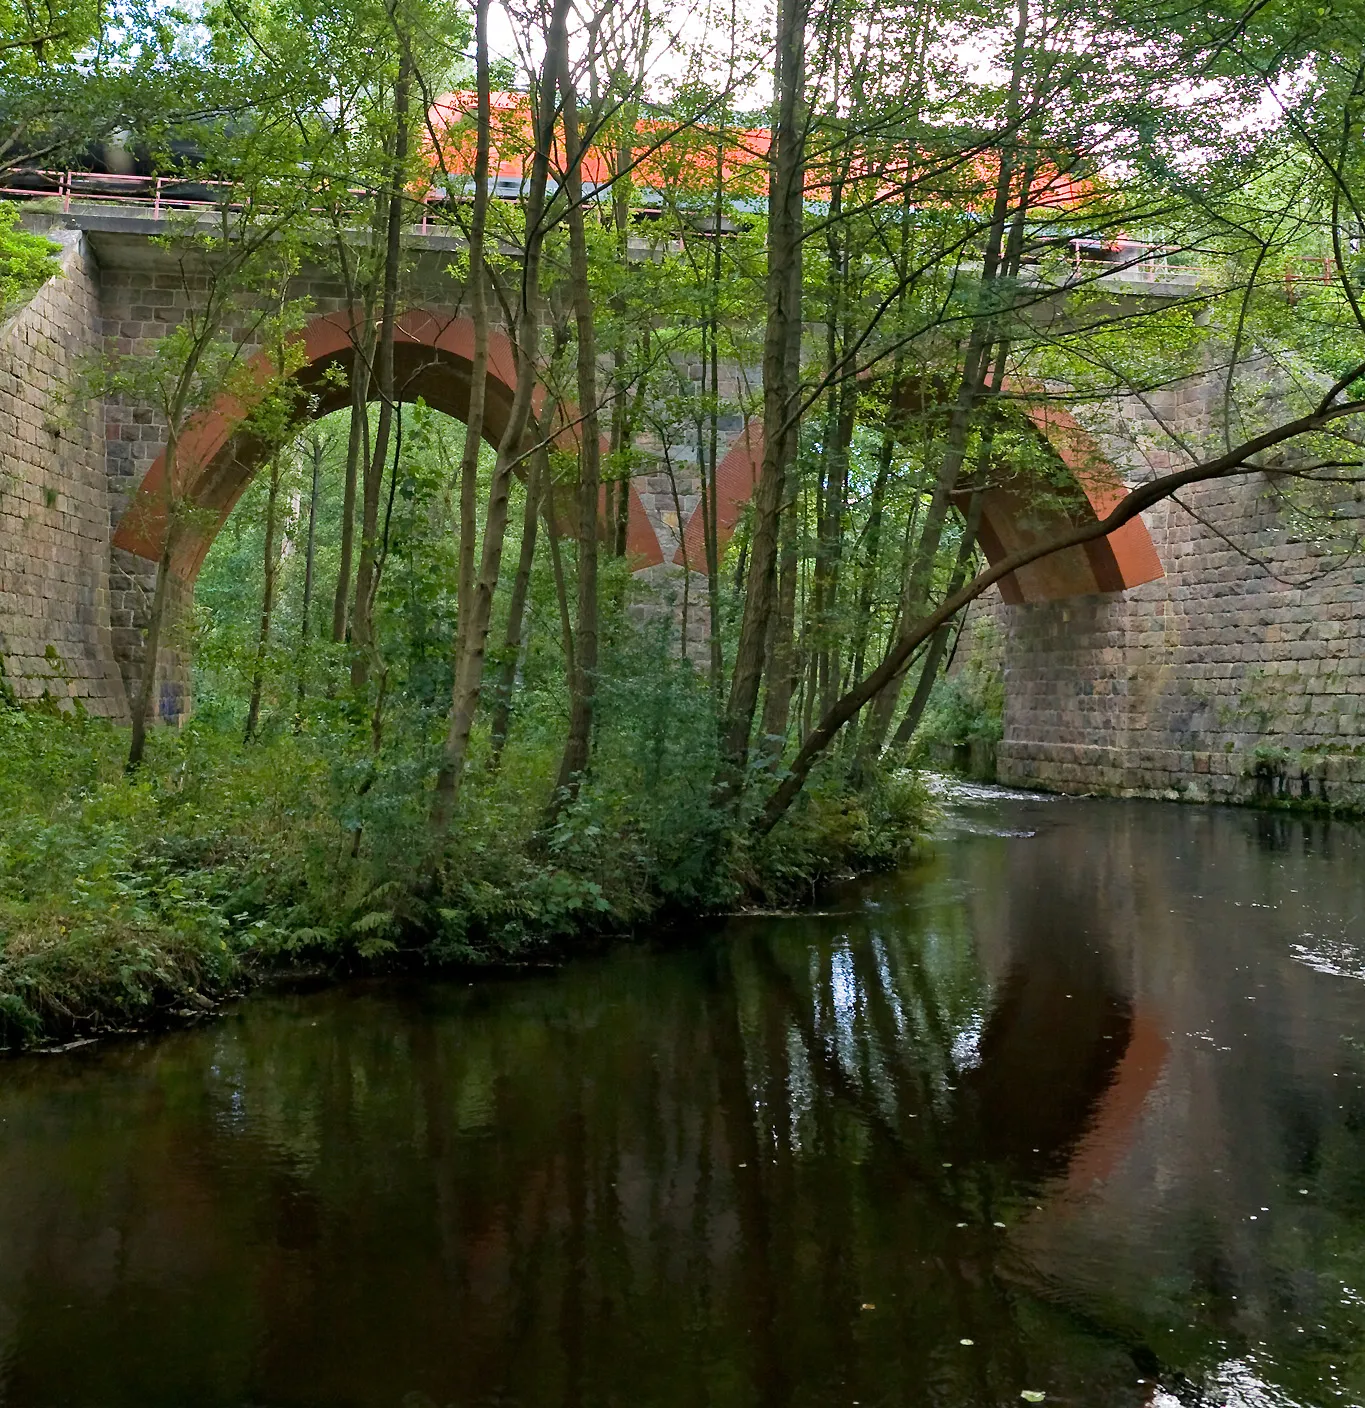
(372, 948)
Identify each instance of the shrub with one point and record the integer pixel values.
(964, 719)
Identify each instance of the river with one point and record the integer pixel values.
(1073, 1107)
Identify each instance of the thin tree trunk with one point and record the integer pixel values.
(357, 454)
(583, 680)
(464, 694)
(362, 628)
(516, 607)
(872, 549)
(829, 501)
(686, 563)
(780, 427)
(709, 518)
(784, 666)
(617, 487)
(253, 713)
(836, 496)
(309, 562)
(557, 567)
(741, 567)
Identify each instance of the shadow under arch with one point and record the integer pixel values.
(219, 453)
(1122, 559)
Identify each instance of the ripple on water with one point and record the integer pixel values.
(1334, 956)
(1237, 1384)
(970, 828)
(956, 789)
(953, 793)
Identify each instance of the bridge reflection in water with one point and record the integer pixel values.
(1076, 1089)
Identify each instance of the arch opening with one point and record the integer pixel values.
(219, 453)
(1010, 519)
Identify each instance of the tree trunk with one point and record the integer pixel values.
(686, 562)
(780, 423)
(357, 454)
(547, 500)
(829, 498)
(516, 607)
(469, 635)
(253, 713)
(583, 679)
(784, 665)
(709, 520)
(872, 548)
(309, 562)
(362, 629)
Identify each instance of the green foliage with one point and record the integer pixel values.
(836, 830)
(124, 898)
(964, 718)
(26, 260)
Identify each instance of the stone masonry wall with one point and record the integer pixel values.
(1238, 676)
(55, 635)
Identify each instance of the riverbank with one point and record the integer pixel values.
(128, 902)
(1327, 780)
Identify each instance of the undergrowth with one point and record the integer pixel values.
(124, 900)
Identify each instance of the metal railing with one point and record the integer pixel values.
(1161, 267)
(156, 194)
(159, 194)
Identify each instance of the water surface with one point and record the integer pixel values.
(1074, 1107)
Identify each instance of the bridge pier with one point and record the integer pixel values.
(1237, 676)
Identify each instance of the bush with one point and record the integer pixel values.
(833, 830)
(26, 260)
(964, 719)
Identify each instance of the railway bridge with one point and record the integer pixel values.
(1130, 663)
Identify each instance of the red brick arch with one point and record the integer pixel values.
(1125, 558)
(218, 455)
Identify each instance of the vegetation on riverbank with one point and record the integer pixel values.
(443, 707)
(124, 899)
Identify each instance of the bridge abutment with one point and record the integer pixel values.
(56, 634)
(1238, 676)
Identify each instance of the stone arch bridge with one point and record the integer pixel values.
(1089, 635)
